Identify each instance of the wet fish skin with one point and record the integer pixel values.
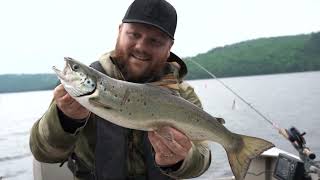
(147, 107)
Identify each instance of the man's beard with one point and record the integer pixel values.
(121, 59)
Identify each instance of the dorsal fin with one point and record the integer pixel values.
(164, 88)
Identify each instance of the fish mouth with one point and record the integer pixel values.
(59, 73)
(62, 74)
(73, 76)
(72, 91)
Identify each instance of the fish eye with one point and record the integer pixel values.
(75, 67)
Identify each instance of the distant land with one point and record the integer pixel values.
(27, 82)
(261, 56)
(283, 54)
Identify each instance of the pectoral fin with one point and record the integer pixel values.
(95, 102)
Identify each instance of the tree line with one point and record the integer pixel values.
(27, 82)
(261, 56)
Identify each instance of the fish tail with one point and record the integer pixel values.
(243, 152)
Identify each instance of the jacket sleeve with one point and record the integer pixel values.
(48, 141)
(199, 157)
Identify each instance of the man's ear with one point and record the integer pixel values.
(171, 44)
(120, 26)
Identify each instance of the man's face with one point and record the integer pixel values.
(141, 51)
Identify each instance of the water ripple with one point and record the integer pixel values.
(11, 175)
(9, 158)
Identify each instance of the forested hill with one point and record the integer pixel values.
(261, 56)
(27, 82)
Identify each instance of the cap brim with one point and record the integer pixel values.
(149, 23)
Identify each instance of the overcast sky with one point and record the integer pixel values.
(36, 34)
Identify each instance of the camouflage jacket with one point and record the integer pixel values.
(50, 143)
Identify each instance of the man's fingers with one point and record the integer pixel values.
(173, 135)
(164, 156)
(64, 102)
(67, 99)
(163, 146)
(156, 143)
(73, 105)
(69, 106)
(59, 91)
(181, 139)
(173, 146)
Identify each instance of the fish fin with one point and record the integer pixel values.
(220, 120)
(241, 156)
(164, 89)
(95, 102)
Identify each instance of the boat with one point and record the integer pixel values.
(261, 168)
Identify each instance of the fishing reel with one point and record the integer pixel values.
(291, 168)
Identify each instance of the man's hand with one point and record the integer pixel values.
(68, 105)
(170, 145)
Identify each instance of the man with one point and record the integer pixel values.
(98, 149)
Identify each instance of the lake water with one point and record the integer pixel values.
(287, 99)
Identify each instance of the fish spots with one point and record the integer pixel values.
(128, 100)
(105, 89)
(130, 113)
(144, 103)
(121, 110)
(89, 82)
(152, 115)
(100, 83)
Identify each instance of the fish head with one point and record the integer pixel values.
(76, 78)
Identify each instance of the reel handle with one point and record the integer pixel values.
(296, 138)
(306, 151)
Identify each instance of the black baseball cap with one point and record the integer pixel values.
(158, 13)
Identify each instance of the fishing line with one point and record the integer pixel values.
(293, 135)
(236, 94)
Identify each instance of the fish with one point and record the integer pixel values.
(148, 107)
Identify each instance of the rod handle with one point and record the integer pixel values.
(284, 133)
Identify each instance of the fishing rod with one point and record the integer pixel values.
(236, 94)
(297, 171)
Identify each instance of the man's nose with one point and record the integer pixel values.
(142, 45)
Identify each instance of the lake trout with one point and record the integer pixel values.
(148, 107)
